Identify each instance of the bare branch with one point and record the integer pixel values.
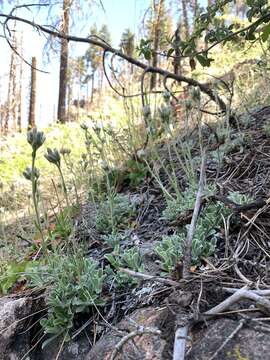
(90, 40)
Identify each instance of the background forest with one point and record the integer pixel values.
(135, 170)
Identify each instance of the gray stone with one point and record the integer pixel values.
(247, 344)
(14, 317)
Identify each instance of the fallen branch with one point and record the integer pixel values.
(145, 277)
(180, 343)
(138, 332)
(238, 295)
(191, 230)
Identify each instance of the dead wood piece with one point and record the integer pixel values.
(141, 330)
(150, 277)
(180, 343)
(191, 230)
(240, 294)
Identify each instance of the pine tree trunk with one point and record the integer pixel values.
(19, 95)
(157, 7)
(185, 19)
(195, 10)
(19, 115)
(9, 101)
(177, 52)
(63, 74)
(32, 104)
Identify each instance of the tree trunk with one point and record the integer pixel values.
(19, 95)
(63, 74)
(9, 102)
(92, 87)
(33, 92)
(177, 52)
(157, 7)
(185, 19)
(195, 10)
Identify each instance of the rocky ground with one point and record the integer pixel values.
(140, 323)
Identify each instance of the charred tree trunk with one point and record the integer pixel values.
(32, 104)
(157, 32)
(63, 74)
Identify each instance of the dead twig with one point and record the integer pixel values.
(240, 294)
(141, 330)
(191, 230)
(180, 343)
(150, 277)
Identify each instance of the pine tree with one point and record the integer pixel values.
(127, 42)
(185, 19)
(63, 73)
(33, 92)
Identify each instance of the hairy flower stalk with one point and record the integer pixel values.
(54, 157)
(35, 138)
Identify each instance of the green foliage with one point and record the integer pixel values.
(184, 202)
(240, 199)
(144, 49)
(74, 283)
(114, 212)
(113, 239)
(170, 249)
(12, 272)
(130, 259)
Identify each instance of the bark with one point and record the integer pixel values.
(185, 19)
(157, 32)
(33, 92)
(8, 103)
(63, 74)
(177, 52)
(19, 95)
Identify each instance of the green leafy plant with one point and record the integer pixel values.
(240, 199)
(114, 212)
(113, 239)
(170, 249)
(74, 283)
(12, 272)
(184, 202)
(130, 259)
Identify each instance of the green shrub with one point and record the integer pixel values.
(240, 199)
(74, 283)
(130, 259)
(170, 249)
(184, 203)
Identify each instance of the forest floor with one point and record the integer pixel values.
(241, 258)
